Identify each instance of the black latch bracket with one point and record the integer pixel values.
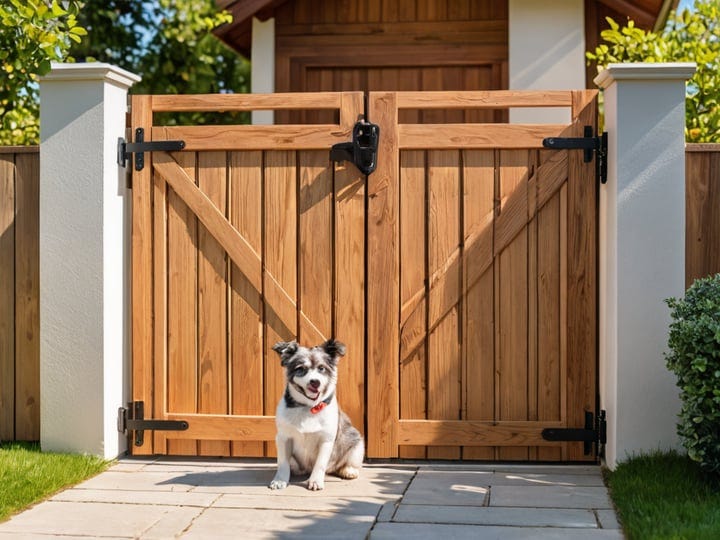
(139, 147)
(363, 149)
(595, 431)
(133, 419)
(588, 144)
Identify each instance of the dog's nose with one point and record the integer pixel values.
(314, 383)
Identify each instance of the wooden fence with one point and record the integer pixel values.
(19, 294)
(702, 211)
(19, 271)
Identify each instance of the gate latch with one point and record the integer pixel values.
(139, 147)
(133, 419)
(595, 431)
(362, 151)
(588, 144)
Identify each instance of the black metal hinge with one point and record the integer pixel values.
(595, 431)
(139, 147)
(133, 419)
(589, 144)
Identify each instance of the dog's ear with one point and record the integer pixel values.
(333, 349)
(286, 350)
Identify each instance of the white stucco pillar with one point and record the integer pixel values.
(262, 74)
(546, 52)
(84, 254)
(642, 252)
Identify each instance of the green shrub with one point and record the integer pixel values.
(694, 356)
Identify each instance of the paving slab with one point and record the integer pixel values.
(515, 517)
(96, 519)
(452, 487)
(115, 496)
(551, 497)
(242, 523)
(608, 519)
(516, 478)
(393, 531)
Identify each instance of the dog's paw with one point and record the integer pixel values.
(315, 484)
(278, 484)
(348, 473)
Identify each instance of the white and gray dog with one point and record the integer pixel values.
(313, 435)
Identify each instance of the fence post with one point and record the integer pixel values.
(85, 212)
(642, 252)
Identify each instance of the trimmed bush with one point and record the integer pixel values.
(694, 356)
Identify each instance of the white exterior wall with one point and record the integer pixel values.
(262, 75)
(547, 52)
(84, 259)
(642, 252)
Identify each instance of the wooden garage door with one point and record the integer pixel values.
(461, 274)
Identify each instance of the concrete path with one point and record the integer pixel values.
(191, 499)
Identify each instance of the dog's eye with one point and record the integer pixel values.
(321, 369)
(300, 372)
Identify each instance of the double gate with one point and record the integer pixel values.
(461, 273)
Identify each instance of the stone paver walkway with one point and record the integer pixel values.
(193, 499)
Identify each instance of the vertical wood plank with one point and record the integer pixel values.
(582, 279)
(182, 324)
(212, 302)
(413, 293)
(315, 255)
(349, 298)
(142, 288)
(383, 295)
(548, 314)
(702, 211)
(532, 305)
(444, 218)
(513, 301)
(160, 272)
(280, 255)
(27, 298)
(478, 319)
(246, 312)
(7, 297)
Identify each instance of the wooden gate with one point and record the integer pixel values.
(461, 274)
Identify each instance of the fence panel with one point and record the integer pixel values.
(19, 294)
(702, 211)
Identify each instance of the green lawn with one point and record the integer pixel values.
(665, 496)
(28, 475)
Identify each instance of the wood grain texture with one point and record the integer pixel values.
(383, 283)
(246, 312)
(212, 302)
(478, 334)
(702, 211)
(7, 297)
(182, 301)
(142, 288)
(444, 371)
(413, 291)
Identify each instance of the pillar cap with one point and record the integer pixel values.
(645, 71)
(91, 71)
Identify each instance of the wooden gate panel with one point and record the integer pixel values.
(461, 275)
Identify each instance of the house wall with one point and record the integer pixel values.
(546, 52)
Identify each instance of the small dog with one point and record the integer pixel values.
(314, 435)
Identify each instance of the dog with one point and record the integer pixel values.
(313, 435)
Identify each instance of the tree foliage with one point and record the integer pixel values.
(169, 43)
(32, 34)
(689, 36)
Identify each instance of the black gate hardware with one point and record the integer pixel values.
(124, 149)
(595, 431)
(133, 419)
(587, 144)
(362, 151)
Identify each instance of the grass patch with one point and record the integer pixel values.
(28, 475)
(665, 495)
